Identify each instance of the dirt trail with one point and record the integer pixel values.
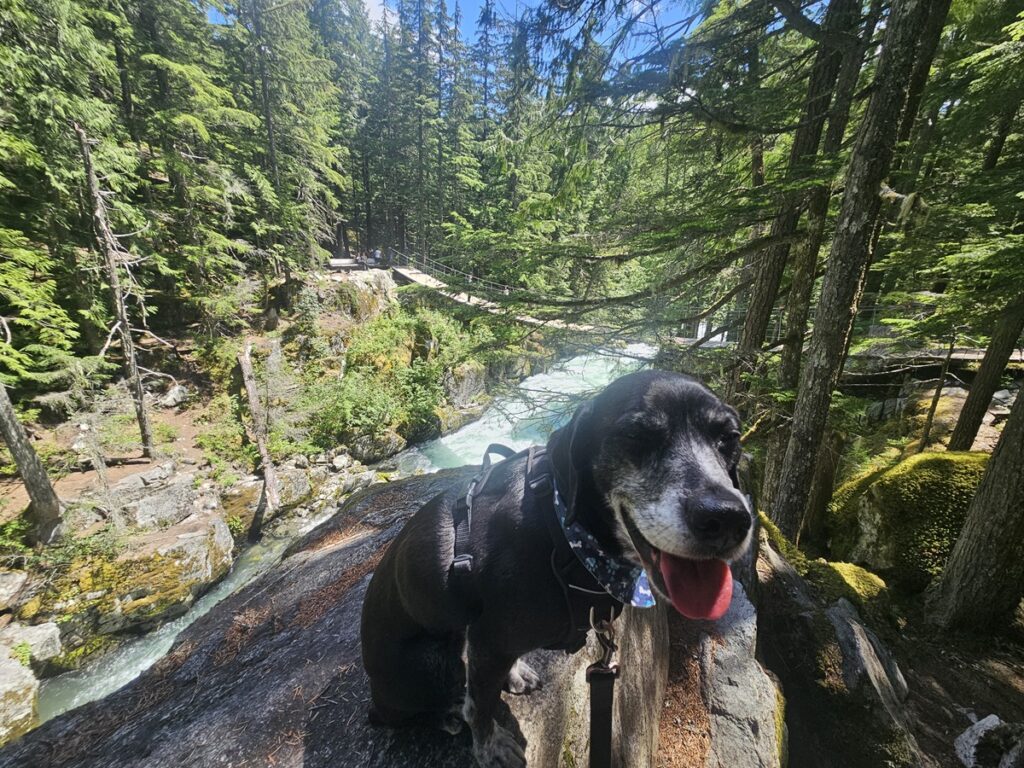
(14, 499)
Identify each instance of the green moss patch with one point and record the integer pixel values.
(832, 580)
(906, 518)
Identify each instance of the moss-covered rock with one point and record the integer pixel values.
(833, 580)
(157, 577)
(905, 519)
(18, 691)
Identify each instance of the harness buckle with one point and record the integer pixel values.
(462, 565)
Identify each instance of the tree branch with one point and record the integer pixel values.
(808, 28)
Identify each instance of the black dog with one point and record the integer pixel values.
(645, 473)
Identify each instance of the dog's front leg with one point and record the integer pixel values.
(493, 746)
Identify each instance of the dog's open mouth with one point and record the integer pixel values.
(698, 589)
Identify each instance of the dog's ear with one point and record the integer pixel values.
(568, 451)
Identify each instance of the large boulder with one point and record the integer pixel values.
(18, 691)
(464, 383)
(745, 706)
(272, 675)
(991, 743)
(371, 293)
(11, 583)
(40, 641)
(904, 520)
(370, 449)
(157, 577)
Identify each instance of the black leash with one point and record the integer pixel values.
(601, 679)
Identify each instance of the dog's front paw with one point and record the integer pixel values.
(522, 679)
(500, 750)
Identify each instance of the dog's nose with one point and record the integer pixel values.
(718, 520)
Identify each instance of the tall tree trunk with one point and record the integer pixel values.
(271, 502)
(367, 196)
(840, 16)
(984, 576)
(934, 405)
(848, 260)
(805, 261)
(756, 173)
(44, 511)
(127, 100)
(111, 252)
(1004, 338)
(998, 141)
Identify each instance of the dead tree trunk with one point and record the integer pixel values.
(848, 260)
(270, 502)
(1008, 329)
(112, 254)
(44, 510)
(934, 405)
(983, 578)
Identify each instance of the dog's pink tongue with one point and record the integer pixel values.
(699, 589)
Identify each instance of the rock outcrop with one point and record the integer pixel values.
(991, 743)
(844, 692)
(273, 675)
(157, 577)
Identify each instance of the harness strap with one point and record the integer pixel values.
(462, 521)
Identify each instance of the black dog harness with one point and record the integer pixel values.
(588, 605)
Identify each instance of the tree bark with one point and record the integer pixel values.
(841, 15)
(848, 260)
(984, 576)
(272, 501)
(44, 511)
(998, 141)
(1004, 339)
(934, 405)
(805, 261)
(111, 252)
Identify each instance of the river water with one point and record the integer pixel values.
(519, 419)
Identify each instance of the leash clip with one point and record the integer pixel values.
(605, 631)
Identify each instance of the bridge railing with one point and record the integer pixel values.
(436, 268)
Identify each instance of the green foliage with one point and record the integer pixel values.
(14, 538)
(223, 439)
(237, 526)
(22, 653)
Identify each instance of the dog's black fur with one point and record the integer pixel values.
(649, 462)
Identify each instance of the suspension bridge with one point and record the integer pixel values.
(718, 330)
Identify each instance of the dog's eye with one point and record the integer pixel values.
(729, 442)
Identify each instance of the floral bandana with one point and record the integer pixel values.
(624, 581)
